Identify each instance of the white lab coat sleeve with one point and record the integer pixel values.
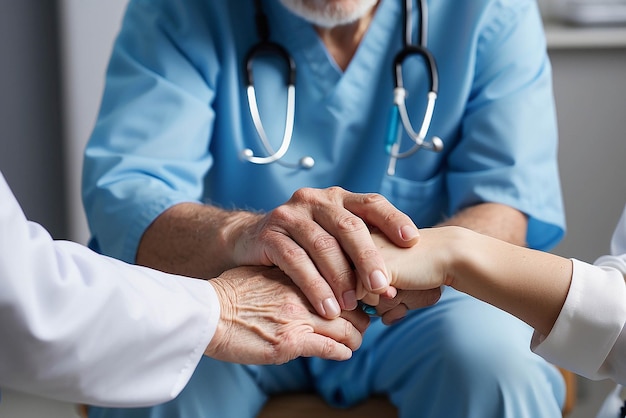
(80, 327)
(616, 360)
(588, 337)
(590, 324)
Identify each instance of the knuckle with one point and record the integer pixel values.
(295, 255)
(393, 216)
(347, 330)
(351, 223)
(380, 204)
(324, 243)
(305, 194)
(336, 191)
(328, 348)
(281, 215)
(351, 336)
(374, 199)
(341, 277)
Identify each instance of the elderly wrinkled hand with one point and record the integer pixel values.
(266, 319)
(321, 239)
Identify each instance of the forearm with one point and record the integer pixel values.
(530, 284)
(493, 219)
(193, 240)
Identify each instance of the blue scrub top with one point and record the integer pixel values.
(175, 116)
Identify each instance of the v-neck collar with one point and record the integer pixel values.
(301, 39)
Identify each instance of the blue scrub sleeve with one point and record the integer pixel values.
(501, 157)
(135, 170)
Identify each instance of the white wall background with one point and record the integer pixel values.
(590, 86)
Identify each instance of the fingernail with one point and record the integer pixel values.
(331, 307)
(408, 232)
(378, 280)
(349, 300)
(391, 293)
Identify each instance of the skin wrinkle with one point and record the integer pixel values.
(350, 224)
(324, 242)
(284, 314)
(284, 337)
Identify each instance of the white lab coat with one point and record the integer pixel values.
(80, 327)
(588, 337)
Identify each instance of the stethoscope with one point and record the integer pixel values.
(399, 115)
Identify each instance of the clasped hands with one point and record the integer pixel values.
(328, 248)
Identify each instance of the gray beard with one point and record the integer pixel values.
(328, 13)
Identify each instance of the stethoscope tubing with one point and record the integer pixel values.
(399, 116)
(258, 124)
(400, 113)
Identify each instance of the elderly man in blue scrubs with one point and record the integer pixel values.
(170, 182)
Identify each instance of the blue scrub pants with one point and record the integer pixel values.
(460, 359)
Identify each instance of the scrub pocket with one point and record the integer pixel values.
(424, 201)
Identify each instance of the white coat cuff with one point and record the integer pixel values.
(589, 323)
(205, 292)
